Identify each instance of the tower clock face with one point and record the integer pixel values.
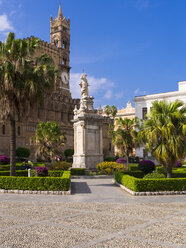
(65, 77)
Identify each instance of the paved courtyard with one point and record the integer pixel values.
(97, 214)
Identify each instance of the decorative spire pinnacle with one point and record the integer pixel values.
(60, 14)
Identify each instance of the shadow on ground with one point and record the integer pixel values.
(80, 188)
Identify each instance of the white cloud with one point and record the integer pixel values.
(138, 92)
(97, 85)
(5, 24)
(108, 94)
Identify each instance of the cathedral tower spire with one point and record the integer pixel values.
(60, 14)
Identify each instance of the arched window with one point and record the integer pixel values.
(3, 129)
(61, 116)
(64, 61)
(38, 113)
(64, 44)
(18, 131)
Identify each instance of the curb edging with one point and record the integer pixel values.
(148, 193)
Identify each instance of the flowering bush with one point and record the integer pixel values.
(4, 160)
(147, 166)
(179, 164)
(121, 161)
(41, 171)
(108, 168)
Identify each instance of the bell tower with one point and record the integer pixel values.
(60, 37)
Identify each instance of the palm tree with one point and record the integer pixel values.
(50, 138)
(164, 132)
(124, 136)
(23, 83)
(110, 110)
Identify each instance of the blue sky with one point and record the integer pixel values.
(127, 47)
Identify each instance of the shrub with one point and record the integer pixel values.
(77, 171)
(147, 166)
(137, 173)
(19, 173)
(59, 165)
(37, 183)
(69, 153)
(41, 171)
(50, 173)
(108, 168)
(154, 175)
(4, 160)
(144, 185)
(108, 159)
(179, 164)
(121, 161)
(22, 152)
(133, 167)
(134, 160)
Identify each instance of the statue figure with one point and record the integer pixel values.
(84, 86)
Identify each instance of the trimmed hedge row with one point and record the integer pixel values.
(137, 173)
(176, 172)
(37, 183)
(19, 173)
(144, 185)
(50, 173)
(133, 167)
(77, 171)
(18, 166)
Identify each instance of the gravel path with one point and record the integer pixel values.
(97, 215)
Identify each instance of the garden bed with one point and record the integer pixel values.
(36, 183)
(148, 186)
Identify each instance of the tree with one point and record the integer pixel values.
(23, 83)
(110, 110)
(164, 133)
(49, 139)
(124, 136)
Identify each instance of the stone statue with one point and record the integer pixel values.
(84, 86)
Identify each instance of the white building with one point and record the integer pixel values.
(144, 103)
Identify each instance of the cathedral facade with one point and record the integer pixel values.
(60, 105)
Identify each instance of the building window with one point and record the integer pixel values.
(70, 117)
(64, 45)
(3, 129)
(144, 113)
(38, 113)
(19, 131)
(64, 61)
(110, 147)
(64, 29)
(61, 116)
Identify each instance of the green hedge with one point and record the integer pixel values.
(37, 183)
(144, 185)
(51, 173)
(176, 172)
(18, 166)
(19, 173)
(133, 167)
(78, 171)
(137, 173)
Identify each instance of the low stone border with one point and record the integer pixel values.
(149, 192)
(36, 192)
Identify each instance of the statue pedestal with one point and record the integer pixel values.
(87, 141)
